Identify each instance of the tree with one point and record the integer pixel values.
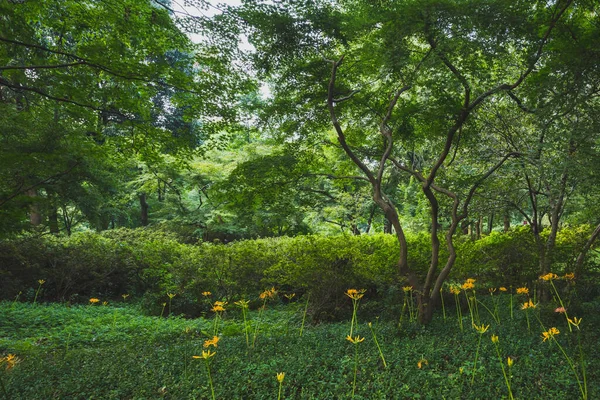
(389, 76)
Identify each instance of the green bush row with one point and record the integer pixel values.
(149, 264)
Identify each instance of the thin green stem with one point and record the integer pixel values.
(527, 317)
(258, 322)
(280, 387)
(458, 311)
(582, 362)
(476, 356)
(304, 316)
(443, 306)
(37, 292)
(210, 382)
(246, 327)
(583, 392)
(489, 311)
(506, 378)
(562, 305)
(355, 368)
(377, 344)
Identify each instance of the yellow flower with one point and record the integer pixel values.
(481, 329)
(171, 295)
(528, 304)
(549, 276)
(455, 289)
(355, 340)
(422, 362)
(220, 303)
(470, 280)
(407, 289)
(492, 290)
(206, 354)
(510, 362)
(105, 303)
(270, 293)
(206, 294)
(11, 360)
(355, 294)
(575, 321)
(494, 338)
(560, 310)
(217, 308)
(41, 281)
(570, 276)
(289, 296)
(242, 303)
(280, 377)
(522, 290)
(550, 333)
(212, 342)
(164, 304)
(124, 296)
(502, 289)
(467, 285)
(94, 300)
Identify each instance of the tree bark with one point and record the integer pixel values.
(144, 209)
(584, 251)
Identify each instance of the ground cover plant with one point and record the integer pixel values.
(111, 350)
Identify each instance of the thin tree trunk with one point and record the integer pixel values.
(584, 251)
(35, 217)
(144, 209)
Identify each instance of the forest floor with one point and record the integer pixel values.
(117, 352)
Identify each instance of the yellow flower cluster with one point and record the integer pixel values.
(206, 294)
(575, 321)
(219, 306)
(407, 289)
(570, 276)
(502, 289)
(455, 289)
(268, 294)
(522, 290)
(355, 294)
(212, 342)
(205, 355)
(94, 300)
(550, 333)
(549, 277)
(528, 304)
(422, 362)
(354, 340)
(10, 360)
(494, 338)
(469, 284)
(242, 303)
(481, 329)
(280, 377)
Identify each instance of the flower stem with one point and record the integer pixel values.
(443, 307)
(355, 368)
(510, 395)
(210, 382)
(378, 347)
(304, 316)
(476, 356)
(583, 392)
(562, 305)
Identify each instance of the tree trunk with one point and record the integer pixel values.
(490, 224)
(506, 222)
(144, 207)
(35, 217)
(584, 251)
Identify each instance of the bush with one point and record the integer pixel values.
(151, 264)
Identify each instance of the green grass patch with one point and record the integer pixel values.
(116, 352)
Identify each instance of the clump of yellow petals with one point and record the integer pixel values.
(455, 289)
(354, 340)
(481, 329)
(528, 304)
(10, 360)
(41, 281)
(468, 285)
(212, 342)
(206, 294)
(280, 377)
(570, 276)
(471, 280)
(575, 321)
(205, 355)
(422, 362)
(355, 294)
(550, 333)
(549, 277)
(289, 296)
(492, 290)
(407, 289)
(242, 303)
(510, 362)
(171, 295)
(270, 293)
(522, 290)
(94, 300)
(218, 306)
(502, 289)
(494, 338)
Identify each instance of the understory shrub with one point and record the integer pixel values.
(149, 264)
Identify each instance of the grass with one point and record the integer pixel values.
(105, 352)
